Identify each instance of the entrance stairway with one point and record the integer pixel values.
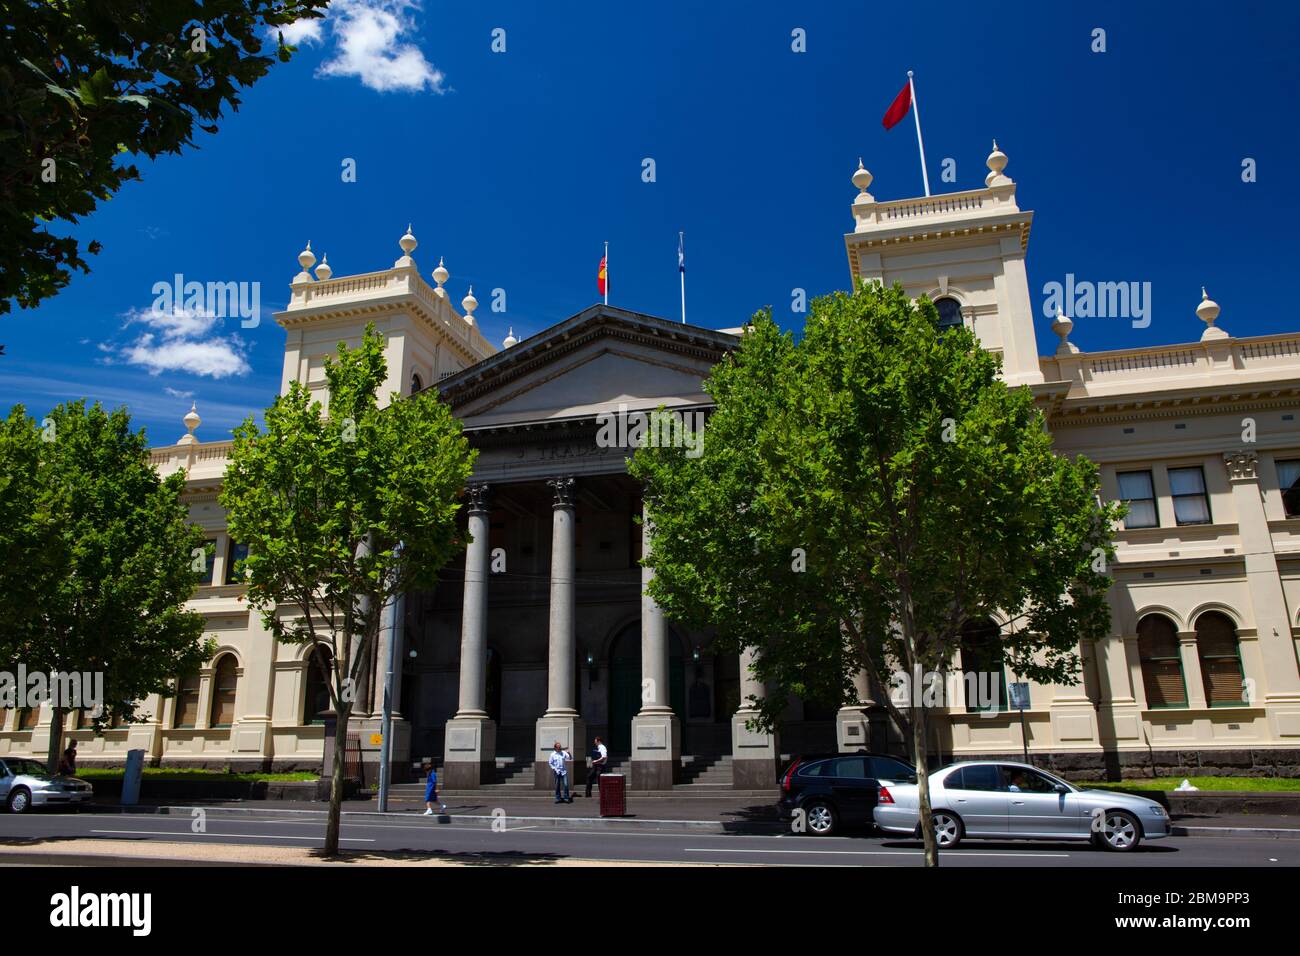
(701, 774)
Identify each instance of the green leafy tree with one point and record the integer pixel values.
(98, 557)
(85, 85)
(862, 495)
(343, 511)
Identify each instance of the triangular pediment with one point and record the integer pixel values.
(597, 360)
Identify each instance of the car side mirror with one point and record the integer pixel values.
(1061, 788)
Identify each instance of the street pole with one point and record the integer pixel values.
(393, 620)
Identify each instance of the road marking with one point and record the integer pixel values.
(242, 836)
(691, 849)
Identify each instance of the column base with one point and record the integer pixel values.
(656, 751)
(571, 732)
(754, 755)
(852, 729)
(470, 758)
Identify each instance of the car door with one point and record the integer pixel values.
(975, 792)
(1035, 808)
(854, 789)
(6, 781)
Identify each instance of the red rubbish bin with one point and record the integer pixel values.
(613, 795)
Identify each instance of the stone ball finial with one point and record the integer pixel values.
(307, 258)
(323, 271)
(469, 304)
(192, 421)
(440, 274)
(1062, 325)
(997, 160)
(407, 242)
(510, 339)
(862, 178)
(1208, 312)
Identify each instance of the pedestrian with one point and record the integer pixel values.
(431, 792)
(68, 764)
(559, 758)
(599, 761)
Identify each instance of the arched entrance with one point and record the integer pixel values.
(625, 683)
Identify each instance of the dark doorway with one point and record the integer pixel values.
(625, 684)
(492, 695)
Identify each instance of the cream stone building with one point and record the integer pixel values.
(542, 632)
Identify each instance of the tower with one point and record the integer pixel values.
(965, 250)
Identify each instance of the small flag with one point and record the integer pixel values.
(898, 109)
(681, 254)
(600, 276)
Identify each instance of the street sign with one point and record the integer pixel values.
(1019, 694)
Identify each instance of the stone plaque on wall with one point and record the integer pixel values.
(651, 738)
(462, 738)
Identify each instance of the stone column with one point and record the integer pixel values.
(754, 754)
(656, 731)
(1191, 660)
(471, 735)
(561, 722)
(1280, 678)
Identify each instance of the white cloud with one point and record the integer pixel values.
(300, 31)
(177, 393)
(180, 341)
(371, 43)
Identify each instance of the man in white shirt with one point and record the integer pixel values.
(559, 758)
(599, 760)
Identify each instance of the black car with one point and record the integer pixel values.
(822, 793)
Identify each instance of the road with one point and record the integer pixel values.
(410, 833)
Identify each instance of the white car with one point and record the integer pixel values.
(1015, 801)
(26, 783)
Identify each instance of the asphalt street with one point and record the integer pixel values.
(522, 841)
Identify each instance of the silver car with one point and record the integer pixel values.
(1014, 801)
(26, 783)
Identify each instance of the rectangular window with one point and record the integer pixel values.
(1191, 504)
(1288, 476)
(1137, 491)
(235, 555)
(209, 552)
(187, 703)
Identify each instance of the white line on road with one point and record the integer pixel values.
(242, 836)
(695, 849)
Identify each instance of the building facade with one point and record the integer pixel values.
(542, 632)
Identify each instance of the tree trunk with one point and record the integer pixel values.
(336, 782)
(56, 738)
(919, 733)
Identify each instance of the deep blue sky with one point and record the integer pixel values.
(527, 161)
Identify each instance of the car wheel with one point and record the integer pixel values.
(820, 818)
(1120, 831)
(948, 828)
(20, 800)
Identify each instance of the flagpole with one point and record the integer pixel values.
(681, 263)
(607, 270)
(916, 114)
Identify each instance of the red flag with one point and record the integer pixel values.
(600, 277)
(898, 109)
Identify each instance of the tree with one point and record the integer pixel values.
(863, 495)
(98, 558)
(86, 83)
(341, 512)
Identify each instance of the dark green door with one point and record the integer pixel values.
(625, 685)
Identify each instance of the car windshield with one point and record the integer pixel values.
(30, 768)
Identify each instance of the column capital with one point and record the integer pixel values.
(563, 489)
(477, 495)
(1242, 465)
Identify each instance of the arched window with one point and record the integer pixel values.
(1220, 654)
(316, 702)
(187, 703)
(28, 718)
(981, 665)
(224, 679)
(417, 383)
(949, 313)
(1162, 665)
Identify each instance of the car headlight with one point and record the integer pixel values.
(1157, 810)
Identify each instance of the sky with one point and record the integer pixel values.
(517, 166)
